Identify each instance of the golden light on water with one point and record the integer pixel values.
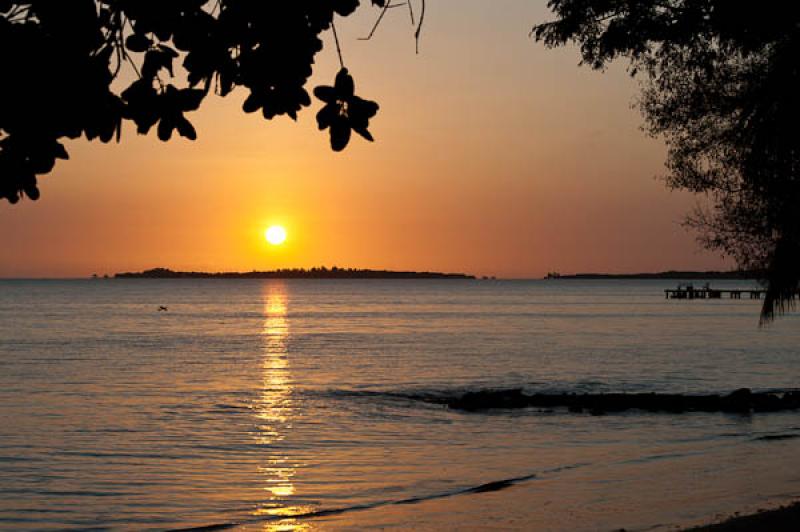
(277, 389)
(275, 235)
(274, 409)
(288, 523)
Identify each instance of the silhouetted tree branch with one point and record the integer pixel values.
(61, 59)
(723, 79)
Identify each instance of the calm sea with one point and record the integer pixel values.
(294, 405)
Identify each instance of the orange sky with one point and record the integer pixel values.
(494, 156)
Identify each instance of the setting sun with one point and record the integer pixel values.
(275, 235)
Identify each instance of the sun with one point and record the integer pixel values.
(275, 235)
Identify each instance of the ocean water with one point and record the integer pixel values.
(297, 405)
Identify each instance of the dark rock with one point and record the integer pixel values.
(767, 402)
(489, 399)
(738, 401)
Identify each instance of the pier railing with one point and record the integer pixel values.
(712, 293)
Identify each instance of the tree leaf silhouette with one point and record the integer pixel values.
(344, 111)
(84, 46)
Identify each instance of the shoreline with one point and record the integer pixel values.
(782, 518)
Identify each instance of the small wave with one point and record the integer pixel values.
(665, 456)
(776, 437)
(112, 455)
(370, 394)
(67, 493)
(488, 487)
(19, 459)
(498, 485)
(224, 406)
(104, 431)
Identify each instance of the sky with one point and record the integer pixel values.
(493, 156)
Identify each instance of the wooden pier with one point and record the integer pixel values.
(706, 292)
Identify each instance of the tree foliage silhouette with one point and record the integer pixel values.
(61, 63)
(723, 79)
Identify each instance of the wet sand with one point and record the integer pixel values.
(785, 518)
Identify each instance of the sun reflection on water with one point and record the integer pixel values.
(276, 394)
(274, 411)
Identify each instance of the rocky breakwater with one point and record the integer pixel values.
(740, 401)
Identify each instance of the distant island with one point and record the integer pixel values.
(711, 275)
(292, 273)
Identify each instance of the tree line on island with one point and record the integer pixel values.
(709, 275)
(320, 272)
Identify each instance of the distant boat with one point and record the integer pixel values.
(162, 308)
(552, 275)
